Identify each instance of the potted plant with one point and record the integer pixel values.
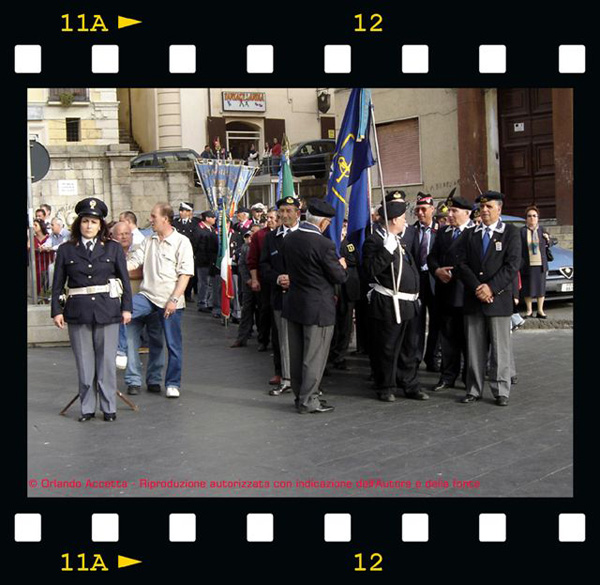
(66, 98)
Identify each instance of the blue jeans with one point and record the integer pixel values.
(122, 347)
(171, 328)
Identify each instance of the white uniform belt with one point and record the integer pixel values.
(89, 290)
(388, 292)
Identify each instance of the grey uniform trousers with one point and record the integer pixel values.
(309, 347)
(284, 346)
(488, 334)
(95, 349)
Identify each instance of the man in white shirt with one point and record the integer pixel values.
(168, 261)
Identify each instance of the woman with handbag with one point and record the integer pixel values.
(90, 264)
(535, 244)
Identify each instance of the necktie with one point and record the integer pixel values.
(423, 247)
(456, 233)
(89, 249)
(486, 241)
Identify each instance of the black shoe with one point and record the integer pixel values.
(239, 343)
(110, 416)
(341, 365)
(235, 320)
(527, 315)
(541, 316)
(323, 407)
(86, 417)
(133, 390)
(514, 380)
(386, 397)
(262, 347)
(468, 399)
(502, 401)
(441, 385)
(204, 310)
(420, 395)
(154, 388)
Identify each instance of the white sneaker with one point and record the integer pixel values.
(172, 392)
(121, 362)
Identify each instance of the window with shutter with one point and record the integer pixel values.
(400, 151)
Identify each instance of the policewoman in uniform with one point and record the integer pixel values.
(89, 265)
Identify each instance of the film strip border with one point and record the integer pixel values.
(571, 59)
(260, 528)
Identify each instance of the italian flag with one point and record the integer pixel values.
(225, 265)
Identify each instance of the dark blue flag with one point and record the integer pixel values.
(350, 161)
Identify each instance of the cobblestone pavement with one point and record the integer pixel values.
(225, 428)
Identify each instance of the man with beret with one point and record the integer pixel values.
(311, 270)
(487, 262)
(449, 291)
(187, 225)
(206, 253)
(273, 272)
(243, 221)
(394, 282)
(426, 229)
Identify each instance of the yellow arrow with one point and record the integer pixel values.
(125, 562)
(123, 22)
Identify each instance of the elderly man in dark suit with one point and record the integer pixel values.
(312, 269)
(487, 262)
(449, 291)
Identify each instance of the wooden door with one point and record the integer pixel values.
(527, 150)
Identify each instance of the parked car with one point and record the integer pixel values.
(560, 277)
(312, 157)
(158, 158)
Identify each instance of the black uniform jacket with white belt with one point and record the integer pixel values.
(377, 264)
(73, 268)
(443, 253)
(497, 269)
(312, 264)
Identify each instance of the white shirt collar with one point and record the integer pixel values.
(84, 241)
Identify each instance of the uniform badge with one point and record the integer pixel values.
(93, 203)
(498, 246)
(350, 248)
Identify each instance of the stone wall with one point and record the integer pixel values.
(564, 234)
(104, 172)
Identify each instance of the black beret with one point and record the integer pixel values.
(242, 210)
(490, 196)
(393, 210)
(392, 196)
(460, 202)
(91, 206)
(320, 208)
(288, 201)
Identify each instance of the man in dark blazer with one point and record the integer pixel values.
(449, 291)
(487, 262)
(347, 295)
(426, 233)
(312, 269)
(271, 268)
(187, 225)
(394, 280)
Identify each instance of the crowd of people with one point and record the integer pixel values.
(442, 291)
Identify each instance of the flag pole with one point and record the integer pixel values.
(385, 215)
